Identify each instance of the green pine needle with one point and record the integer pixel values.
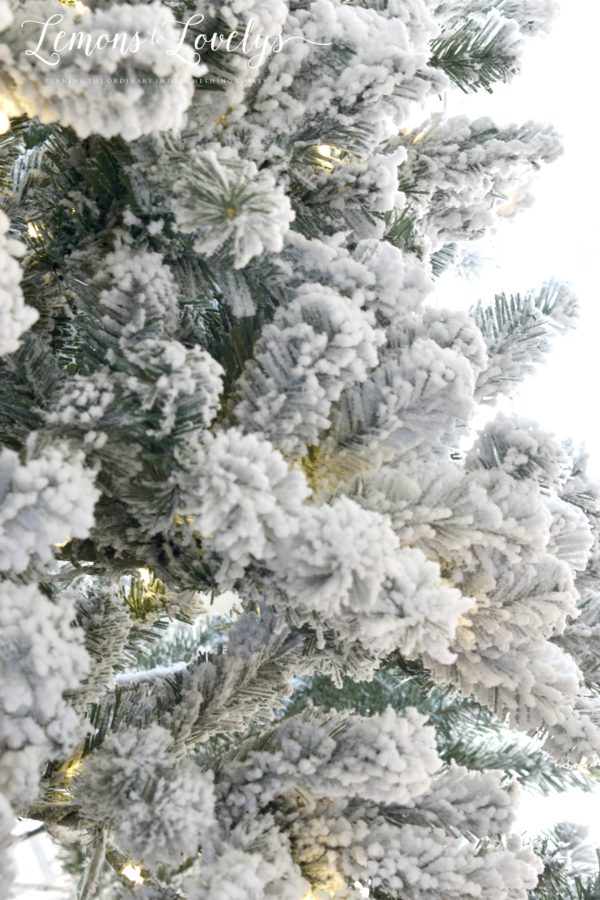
(475, 56)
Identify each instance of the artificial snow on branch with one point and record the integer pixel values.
(227, 363)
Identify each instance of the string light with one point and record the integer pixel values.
(77, 6)
(34, 231)
(328, 150)
(73, 769)
(327, 156)
(512, 196)
(4, 122)
(132, 873)
(145, 576)
(332, 886)
(181, 520)
(223, 119)
(60, 544)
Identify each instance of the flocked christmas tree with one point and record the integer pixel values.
(225, 367)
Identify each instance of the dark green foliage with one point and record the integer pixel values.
(317, 180)
(560, 879)
(467, 733)
(400, 228)
(24, 378)
(443, 259)
(476, 56)
(185, 645)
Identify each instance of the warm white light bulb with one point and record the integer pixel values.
(325, 150)
(80, 8)
(327, 155)
(145, 576)
(132, 873)
(4, 122)
(73, 768)
(33, 231)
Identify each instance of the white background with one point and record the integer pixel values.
(559, 237)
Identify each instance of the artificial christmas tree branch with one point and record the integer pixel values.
(228, 375)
